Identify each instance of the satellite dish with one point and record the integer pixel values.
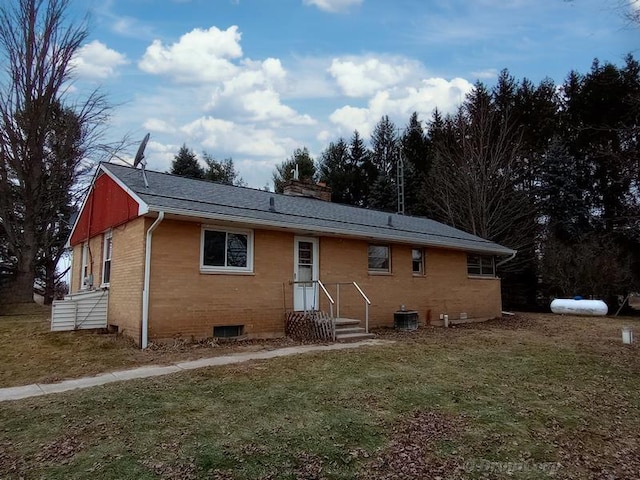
(140, 153)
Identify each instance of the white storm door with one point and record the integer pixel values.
(305, 272)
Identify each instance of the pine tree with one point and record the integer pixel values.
(336, 170)
(417, 158)
(363, 168)
(186, 164)
(384, 146)
(284, 172)
(385, 151)
(222, 172)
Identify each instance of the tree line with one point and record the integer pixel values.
(552, 171)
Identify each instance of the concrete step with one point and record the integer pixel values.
(348, 329)
(347, 321)
(353, 337)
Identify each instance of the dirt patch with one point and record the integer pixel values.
(412, 453)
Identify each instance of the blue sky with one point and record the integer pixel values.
(255, 79)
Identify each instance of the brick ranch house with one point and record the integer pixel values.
(188, 258)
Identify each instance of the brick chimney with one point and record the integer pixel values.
(300, 188)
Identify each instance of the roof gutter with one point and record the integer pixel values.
(320, 230)
(144, 341)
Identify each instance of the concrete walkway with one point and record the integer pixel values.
(38, 389)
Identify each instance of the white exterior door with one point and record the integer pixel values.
(305, 270)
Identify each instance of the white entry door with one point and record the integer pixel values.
(305, 269)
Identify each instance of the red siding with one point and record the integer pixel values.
(107, 206)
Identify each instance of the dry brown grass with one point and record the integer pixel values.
(31, 353)
(531, 397)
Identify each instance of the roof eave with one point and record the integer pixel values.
(500, 251)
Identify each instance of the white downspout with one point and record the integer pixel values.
(508, 259)
(147, 277)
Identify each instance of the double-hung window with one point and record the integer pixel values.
(379, 259)
(480, 265)
(226, 250)
(107, 250)
(417, 256)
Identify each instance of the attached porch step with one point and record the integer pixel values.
(349, 330)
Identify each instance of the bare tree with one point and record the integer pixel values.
(45, 138)
(473, 185)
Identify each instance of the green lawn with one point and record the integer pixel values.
(529, 398)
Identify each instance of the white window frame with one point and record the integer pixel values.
(379, 270)
(224, 269)
(420, 273)
(107, 241)
(84, 265)
(481, 266)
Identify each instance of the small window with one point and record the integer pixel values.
(228, 331)
(226, 250)
(417, 255)
(379, 259)
(106, 263)
(480, 265)
(84, 269)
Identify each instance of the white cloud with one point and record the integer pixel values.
(400, 103)
(95, 60)
(359, 77)
(254, 93)
(159, 126)
(489, 73)
(350, 118)
(199, 56)
(212, 61)
(265, 105)
(245, 139)
(333, 6)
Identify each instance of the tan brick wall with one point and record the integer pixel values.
(127, 277)
(127, 272)
(187, 303)
(445, 287)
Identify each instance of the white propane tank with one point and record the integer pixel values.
(572, 306)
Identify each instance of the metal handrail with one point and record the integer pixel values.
(367, 302)
(325, 292)
(366, 299)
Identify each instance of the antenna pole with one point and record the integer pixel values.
(400, 182)
(143, 164)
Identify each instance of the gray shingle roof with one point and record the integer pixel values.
(198, 198)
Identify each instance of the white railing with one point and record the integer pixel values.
(332, 302)
(367, 302)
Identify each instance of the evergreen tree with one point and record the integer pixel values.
(222, 172)
(364, 172)
(561, 198)
(337, 171)
(384, 147)
(385, 150)
(186, 164)
(417, 158)
(284, 172)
